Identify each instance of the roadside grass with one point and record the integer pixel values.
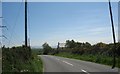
(14, 61)
(34, 65)
(37, 64)
(101, 59)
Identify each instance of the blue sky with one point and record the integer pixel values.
(54, 22)
(0, 23)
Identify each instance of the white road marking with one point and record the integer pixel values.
(57, 59)
(68, 63)
(85, 71)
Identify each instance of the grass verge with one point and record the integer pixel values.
(37, 64)
(21, 60)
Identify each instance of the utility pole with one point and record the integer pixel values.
(26, 23)
(1, 33)
(114, 50)
(58, 45)
(28, 42)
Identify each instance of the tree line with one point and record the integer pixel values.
(74, 47)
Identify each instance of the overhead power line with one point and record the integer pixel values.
(14, 25)
(4, 27)
(3, 36)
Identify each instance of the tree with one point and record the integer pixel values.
(87, 45)
(46, 48)
(70, 44)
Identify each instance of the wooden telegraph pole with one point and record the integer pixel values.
(26, 23)
(114, 50)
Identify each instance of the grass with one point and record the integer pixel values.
(37, 64)
(33, 66)
(16, 63)
(101, 59)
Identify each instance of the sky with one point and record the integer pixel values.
(0, 24)
(54, 22)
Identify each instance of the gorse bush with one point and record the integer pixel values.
(21, 59)
(15, 58)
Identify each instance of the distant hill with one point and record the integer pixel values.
(36, 47)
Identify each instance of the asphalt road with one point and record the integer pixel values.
(60, 64)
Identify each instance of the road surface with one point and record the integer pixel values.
(60, 64)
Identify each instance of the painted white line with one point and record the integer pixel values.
(57, 59)
(85, 71)
(68, 63)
